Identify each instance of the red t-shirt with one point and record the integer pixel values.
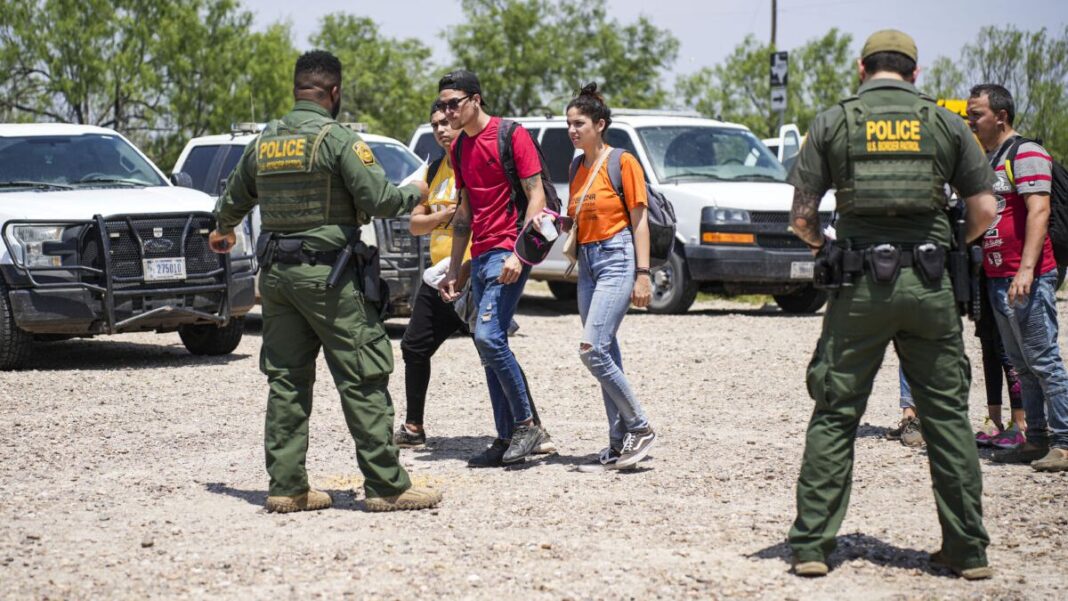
(1004, 241)
(493, 222)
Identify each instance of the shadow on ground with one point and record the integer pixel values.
(105, 354)
(864, 547)
(342, 499)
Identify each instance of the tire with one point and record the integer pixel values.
(673, 289)
(15, 344)
(564, 291)
(212, 340)
(806, 300)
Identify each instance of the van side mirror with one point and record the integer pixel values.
(182, 179)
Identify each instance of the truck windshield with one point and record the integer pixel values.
(695, 153)
(85, 160)
(397, 161)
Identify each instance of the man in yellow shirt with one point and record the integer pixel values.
(433, 320)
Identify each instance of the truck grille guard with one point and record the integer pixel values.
(121, 274)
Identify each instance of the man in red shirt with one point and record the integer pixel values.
(1022, 278)
(490, 220)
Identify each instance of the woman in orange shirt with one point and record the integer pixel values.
(613, 268)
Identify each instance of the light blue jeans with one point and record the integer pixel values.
(906, 391)
(605, 281)
(1029, 333)
(496, 306)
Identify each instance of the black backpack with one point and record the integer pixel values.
(1058, 200)
(662, 221)
(518, 200)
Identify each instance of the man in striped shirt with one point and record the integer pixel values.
(1022, 277)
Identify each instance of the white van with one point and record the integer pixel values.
(730, 197)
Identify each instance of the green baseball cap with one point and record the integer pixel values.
(890, 40)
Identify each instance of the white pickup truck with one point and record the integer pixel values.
(206, 162)
(730, 197)
(96, 240)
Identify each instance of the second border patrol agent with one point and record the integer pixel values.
(889, 152)
(316, 182)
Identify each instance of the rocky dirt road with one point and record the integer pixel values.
(132, 469)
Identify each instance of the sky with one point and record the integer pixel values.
(708, 30)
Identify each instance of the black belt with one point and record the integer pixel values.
(324, 257)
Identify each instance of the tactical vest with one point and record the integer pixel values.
(295, 192)
(891, 154)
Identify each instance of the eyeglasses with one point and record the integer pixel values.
(452, 105)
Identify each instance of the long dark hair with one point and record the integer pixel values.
(590, 103)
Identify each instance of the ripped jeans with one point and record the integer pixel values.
(496, 306)
(605, 281)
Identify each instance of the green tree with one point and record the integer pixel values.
(1033, 66)
(158, 71)
(822, 72)
(534, 55)
(387, 84)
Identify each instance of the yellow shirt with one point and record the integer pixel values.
(442, 196)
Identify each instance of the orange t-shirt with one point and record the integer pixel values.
(602, 214)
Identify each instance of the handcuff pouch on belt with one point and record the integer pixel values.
(265, 250)
(838, 266)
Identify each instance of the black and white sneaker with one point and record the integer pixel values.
(636, 446)
(525, 440)
(492, 456)
(604, 462)
(406, 439)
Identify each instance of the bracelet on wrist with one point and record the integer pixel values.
(641, 270)
(822, 243)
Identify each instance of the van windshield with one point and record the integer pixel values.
(86, 160)
(688, 153)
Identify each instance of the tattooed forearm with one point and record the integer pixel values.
(805, 217)
(532, 182)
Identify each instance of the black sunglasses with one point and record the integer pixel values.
(453, 104)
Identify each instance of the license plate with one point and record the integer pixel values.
(157, 270)
(801, 270)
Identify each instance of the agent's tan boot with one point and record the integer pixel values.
(416, 497)
(312, 500)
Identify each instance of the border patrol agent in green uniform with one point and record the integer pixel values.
(889, 152)
(316, 182)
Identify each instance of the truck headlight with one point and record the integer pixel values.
(722, 216)
(30, 241)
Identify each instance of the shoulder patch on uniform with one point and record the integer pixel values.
(363, 151)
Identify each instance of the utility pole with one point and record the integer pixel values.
(774, 20)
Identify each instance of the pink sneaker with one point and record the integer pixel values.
(1011, 438)
(987, 433)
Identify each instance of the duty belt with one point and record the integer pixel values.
(303, 257)
(836, 266)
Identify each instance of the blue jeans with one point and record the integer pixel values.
(906, 391)
(1029, 333)
(496, 307)
(606, 279)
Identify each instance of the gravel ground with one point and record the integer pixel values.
(132, 469)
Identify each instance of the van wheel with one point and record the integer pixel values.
(15, 343)
(564, 291)
(805, 300)
(673, 289)
(212, 340)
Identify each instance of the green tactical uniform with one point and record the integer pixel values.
(317, 180)
(889, 166)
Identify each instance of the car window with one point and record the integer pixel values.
(229, 163)
(704, 152)
(198, 163)
(397, 161)
(426, 146)
(617, 138)
(558, 151)
(84, 160)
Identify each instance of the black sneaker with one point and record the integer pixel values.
(895, 434)
(525, 440)
(605, 461)
(491, 457)
(406, 439)
(636, 446)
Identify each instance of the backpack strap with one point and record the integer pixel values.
(615, 170)
(1010, 157)
(432, 170)
(506, 153)
(459, 144)
(574, 167)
